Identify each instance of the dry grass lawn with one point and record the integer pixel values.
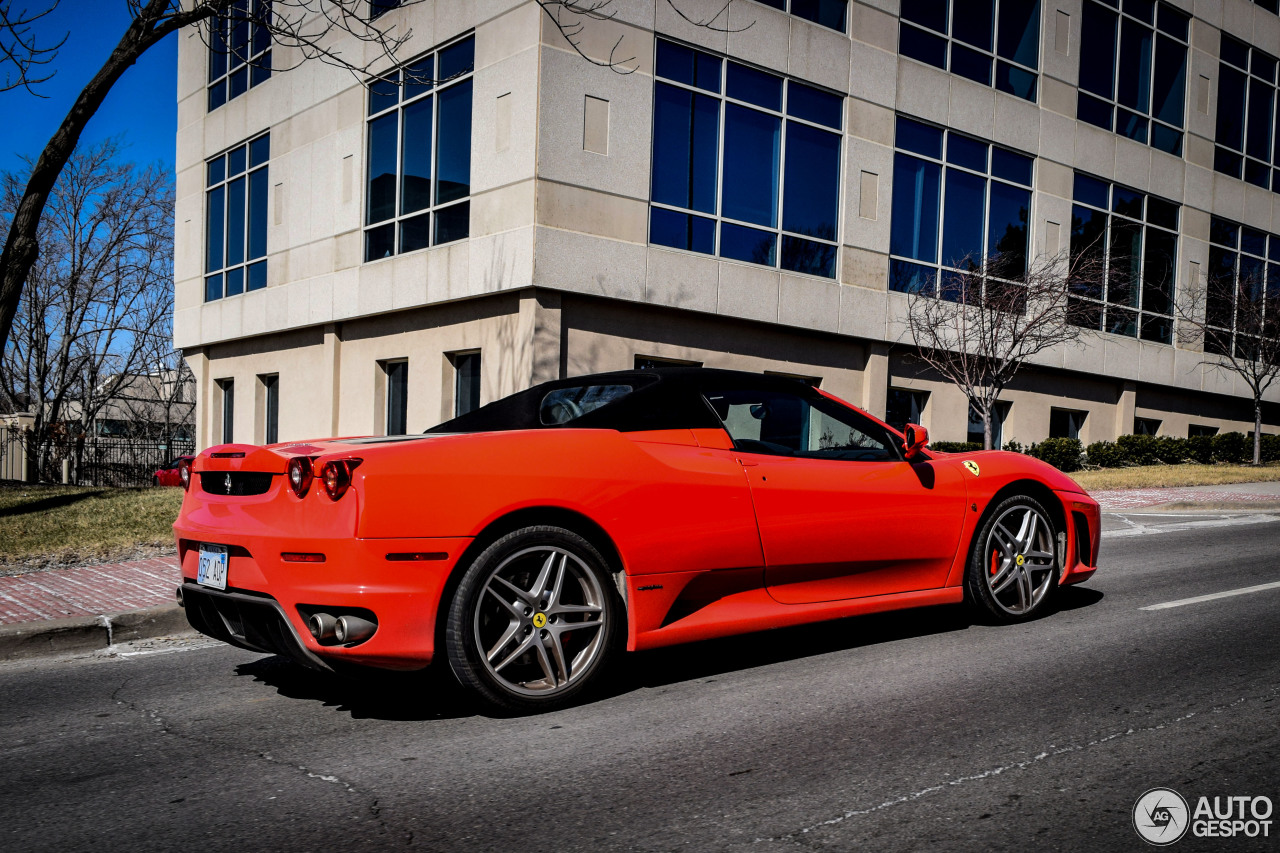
(1167, 476)
(68, 524)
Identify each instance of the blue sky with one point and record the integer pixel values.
(141, 107)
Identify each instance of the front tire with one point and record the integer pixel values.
(534, 620)
(1013, 564)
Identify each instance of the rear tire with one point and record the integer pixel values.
(1013, 563)
(534, 621)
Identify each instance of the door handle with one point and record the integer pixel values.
(745, 464)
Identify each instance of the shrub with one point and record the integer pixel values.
(1138, 449)
(1105, 454)
(1270, 447)
(954, 446)
(1200, 449)
(1172, 450)
(1232, 447)
(1014, 446)
(1061, 453)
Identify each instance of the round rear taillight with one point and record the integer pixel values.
(300, 475)
(336, 477)
(184, 474)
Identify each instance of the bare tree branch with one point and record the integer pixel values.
(977, 330)
(21, 56)
(1236, 318)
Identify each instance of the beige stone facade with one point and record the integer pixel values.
(558, 277)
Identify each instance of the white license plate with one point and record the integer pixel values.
(213, 566)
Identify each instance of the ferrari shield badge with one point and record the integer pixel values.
(972, 466)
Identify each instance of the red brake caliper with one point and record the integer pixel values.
(995, 561)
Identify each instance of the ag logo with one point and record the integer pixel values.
(972, 466)
(1161, 816)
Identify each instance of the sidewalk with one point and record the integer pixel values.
(87, 590)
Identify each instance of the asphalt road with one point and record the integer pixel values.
(897, 732)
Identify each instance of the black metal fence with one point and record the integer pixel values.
(91, 462)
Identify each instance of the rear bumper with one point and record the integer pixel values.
(267, 600)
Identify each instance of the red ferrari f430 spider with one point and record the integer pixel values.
(532, 540)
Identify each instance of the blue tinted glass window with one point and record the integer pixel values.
(970, 153)
(236, 161)
(257, 214)
(419, 78)
(751, 153)
(215, 220)
(682, 230)
(828, 13)
(927, 13)
(808, 256)
(259, 150)
(257, 276)
(1098, 41)
(914, 224)
(813, 105)
(754, 87)
(241, 37)
(458, 59)
(1020, 32)
(235, 281)
(383, 93)
(235, 221)
(419, 155)
(216, 171)
(923, 46)
(685, 148)
(381, 191)
(416, 148)
(213, 287)
(1091, 191)
(1010, 166)
(748, 244)
(1135, 65)
(453, 155)
(688, 66)
(966, 199)
(976, 25)
(1127, 202)
(1008, 218)
(812, 182)
(920, 138)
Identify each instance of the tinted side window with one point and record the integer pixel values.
(784, 424)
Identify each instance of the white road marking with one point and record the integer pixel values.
(1137, 528)
(1212, 596)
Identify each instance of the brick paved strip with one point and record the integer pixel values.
(1137, 498)
(87, 590)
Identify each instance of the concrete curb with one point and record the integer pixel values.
(90, 633)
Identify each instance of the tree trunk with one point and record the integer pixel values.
(986, 429)
(1257, 431)
(21, 247)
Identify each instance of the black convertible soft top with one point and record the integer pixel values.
(661, 398)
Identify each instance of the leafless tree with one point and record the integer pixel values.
(977, 328)
(301, 31)
(1236, 316)
(97, 300)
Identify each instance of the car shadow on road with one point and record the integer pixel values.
(430, 694)
(661, 667)
(433, 694)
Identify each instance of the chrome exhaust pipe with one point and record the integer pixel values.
(178, 593)
(322, 626)
(353, 629)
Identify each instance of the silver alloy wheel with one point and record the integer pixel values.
(540, 621)
(1019, 559)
